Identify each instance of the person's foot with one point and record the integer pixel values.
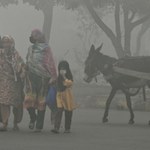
(67, 131)
(31, 125)
(55, 131)
(3, 129)
(37, 130)
(15, 128)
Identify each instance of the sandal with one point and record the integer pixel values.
(55, 131)
(37, 130)
(31, 125)
(15, 128)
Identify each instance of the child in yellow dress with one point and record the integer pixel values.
(64, 97)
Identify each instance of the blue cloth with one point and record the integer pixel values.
(51, 98)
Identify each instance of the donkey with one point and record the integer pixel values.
(97, 63)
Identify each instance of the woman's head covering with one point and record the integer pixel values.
(7, 39)
(37, 36)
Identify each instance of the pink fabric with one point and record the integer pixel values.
(49, 63)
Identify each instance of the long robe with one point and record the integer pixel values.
(41, 68)
(11, 85)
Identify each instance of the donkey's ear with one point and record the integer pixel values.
(99, 48)
(92, 50)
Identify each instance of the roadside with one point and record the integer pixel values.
(95, 96)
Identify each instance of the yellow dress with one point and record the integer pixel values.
(65, 98)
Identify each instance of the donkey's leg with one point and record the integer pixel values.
(129, 104)
(111, 96)
(144, 93)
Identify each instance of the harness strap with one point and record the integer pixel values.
(132, 73)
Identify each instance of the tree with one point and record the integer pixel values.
(145, 26)
(88, 33)
(131, 12)
(46, 6)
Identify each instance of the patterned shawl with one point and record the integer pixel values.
(35, 59)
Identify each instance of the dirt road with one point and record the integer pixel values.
(88, 133)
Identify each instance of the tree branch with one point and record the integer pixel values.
(132, 16)
(127, 31)
(140, 21)
(117, 20)
(97, 19)
(117, 45)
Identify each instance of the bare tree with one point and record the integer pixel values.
(46, 6)
(124, 10)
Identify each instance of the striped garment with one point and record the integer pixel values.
(40, 60)
(41, 68)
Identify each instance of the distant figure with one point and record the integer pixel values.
(64, 97)
(41, 72)
(11, 83)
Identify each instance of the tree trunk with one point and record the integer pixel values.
(145, 26)
(48, 17)
(127, 45)
(127, 38)
(127, 31)
(117, 20)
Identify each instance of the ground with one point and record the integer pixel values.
(88, 132)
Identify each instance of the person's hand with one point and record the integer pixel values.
(52, 80)
(64, 76)
(23, 70)
(63, 72)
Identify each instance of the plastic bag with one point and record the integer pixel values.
(51, 98)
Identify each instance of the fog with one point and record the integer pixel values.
(71, 39)
(19, 20)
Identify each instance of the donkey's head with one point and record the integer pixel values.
(91, 64)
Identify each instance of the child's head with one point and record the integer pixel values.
(64, 67)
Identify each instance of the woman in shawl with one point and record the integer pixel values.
(41, 72)
(11, 83)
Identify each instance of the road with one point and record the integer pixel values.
(88, 133)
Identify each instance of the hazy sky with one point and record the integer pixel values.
(19, 20)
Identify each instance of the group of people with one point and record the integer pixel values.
(26, 84)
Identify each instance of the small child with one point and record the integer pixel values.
(64, 97)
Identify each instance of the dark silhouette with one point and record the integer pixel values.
(97, 63)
